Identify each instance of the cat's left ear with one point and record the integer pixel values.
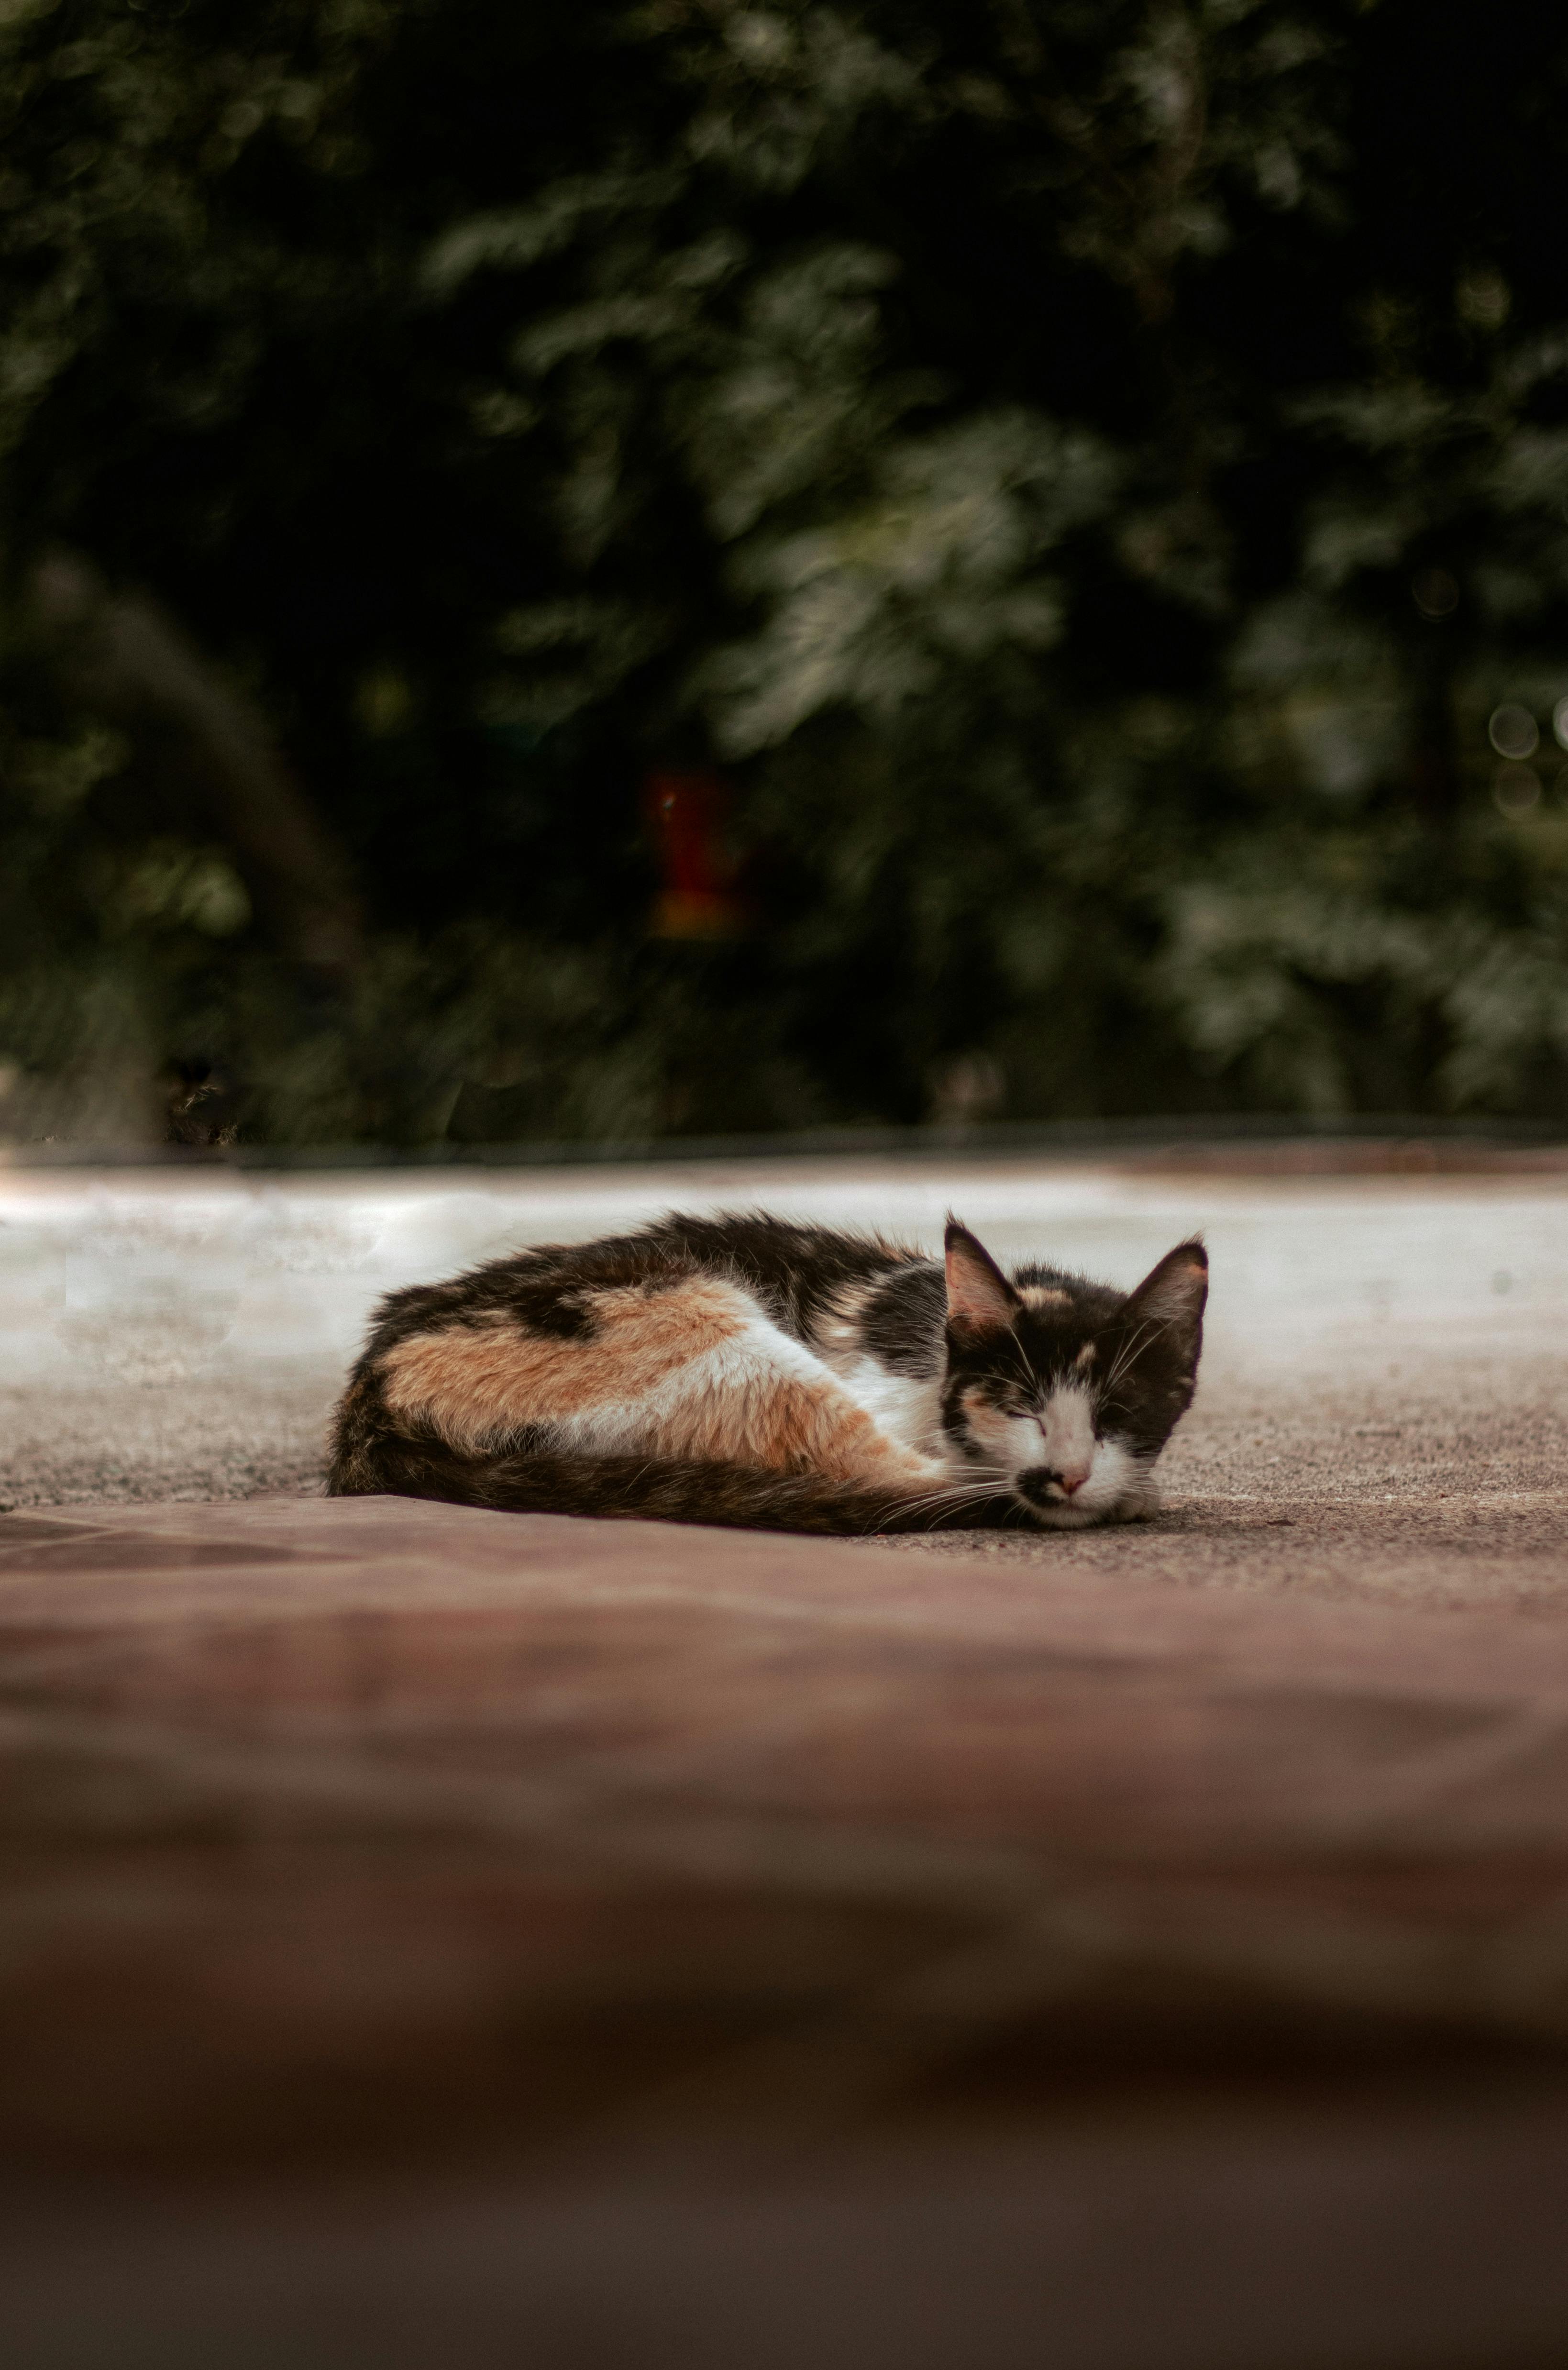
(979, 1298)
(1172, 1296)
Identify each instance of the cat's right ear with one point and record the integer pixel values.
(979, 1298)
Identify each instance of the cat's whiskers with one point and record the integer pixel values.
(957, 1490)
(940, 1502)
(1132, 1349)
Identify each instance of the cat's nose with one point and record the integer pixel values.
(1074, 1478)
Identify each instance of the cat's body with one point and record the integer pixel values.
(750, 1371)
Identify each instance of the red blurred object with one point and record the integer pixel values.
(687, 814)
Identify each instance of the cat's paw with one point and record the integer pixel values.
(910, 1470)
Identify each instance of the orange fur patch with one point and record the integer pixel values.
(476, 1383)
(791, 1423)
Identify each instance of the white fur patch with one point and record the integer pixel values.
(908, 1406)
(1067, 1434)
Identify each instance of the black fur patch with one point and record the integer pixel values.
(902, 1321)
(797, 1272)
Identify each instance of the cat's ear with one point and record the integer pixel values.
(1173, 1295)
(979, 1298)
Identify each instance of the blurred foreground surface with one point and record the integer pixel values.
(432, 1936)
(437, 1936)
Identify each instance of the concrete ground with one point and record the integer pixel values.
(1382, 1411)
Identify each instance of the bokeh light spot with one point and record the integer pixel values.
(1513, 732)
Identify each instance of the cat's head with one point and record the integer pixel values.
(1068, 1390)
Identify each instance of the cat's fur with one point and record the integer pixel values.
(750, 1371)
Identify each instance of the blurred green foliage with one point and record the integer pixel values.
(1093, 475)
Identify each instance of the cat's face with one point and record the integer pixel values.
(1067, 1391)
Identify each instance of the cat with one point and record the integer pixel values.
(748, 1371)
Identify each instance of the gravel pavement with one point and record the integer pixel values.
(1381, 1411)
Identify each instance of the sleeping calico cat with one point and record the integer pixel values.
(748, 1371)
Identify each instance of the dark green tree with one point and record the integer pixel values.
(1092, 479)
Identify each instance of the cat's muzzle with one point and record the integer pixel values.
(1042, 1487)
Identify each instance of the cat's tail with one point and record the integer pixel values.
(736, 1497)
